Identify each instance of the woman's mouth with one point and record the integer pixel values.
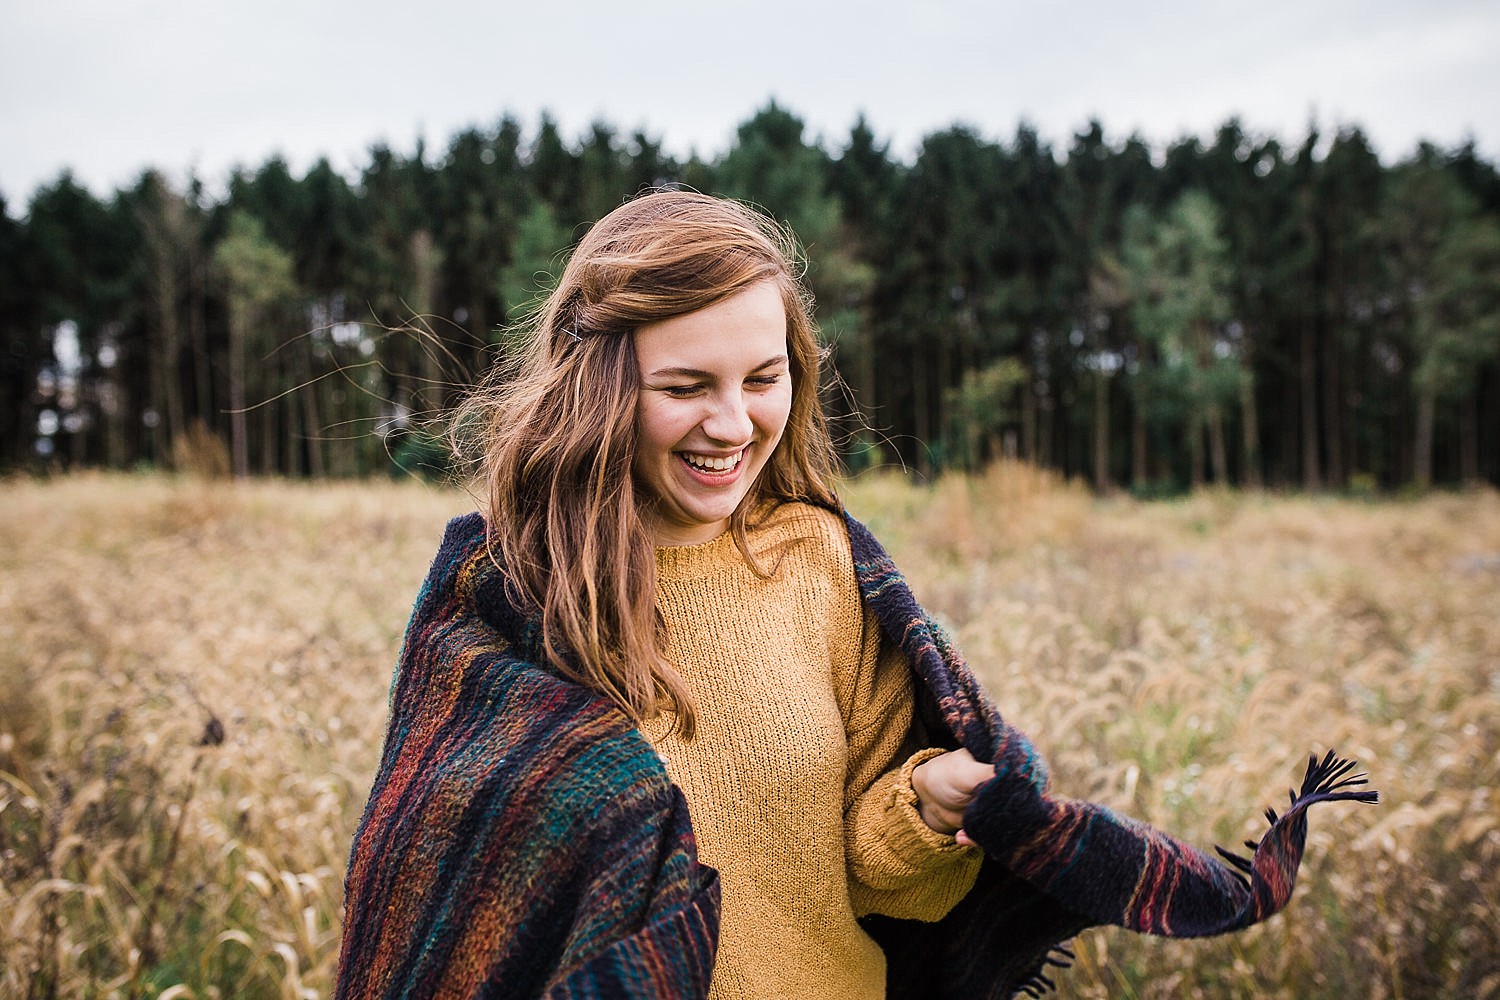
(712, 465)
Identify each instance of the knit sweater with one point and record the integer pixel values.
(523, 839)
(799, 777)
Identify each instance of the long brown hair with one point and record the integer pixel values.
(556, 427)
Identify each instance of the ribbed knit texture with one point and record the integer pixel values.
(523, 840)
(802, 726)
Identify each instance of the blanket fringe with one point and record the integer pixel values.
(1038, 983)
(1326, 780)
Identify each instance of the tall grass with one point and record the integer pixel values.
(192, 695)
(193, 684)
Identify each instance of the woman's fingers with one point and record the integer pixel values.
(945, 786)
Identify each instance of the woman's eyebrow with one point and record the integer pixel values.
(680, 372)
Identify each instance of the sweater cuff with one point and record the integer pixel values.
(911, 837)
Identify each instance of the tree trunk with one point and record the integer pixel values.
(1046, 419)
(1250, 477)
(1468, 441)
(271, 433)
(171, 331)
(198, 332)
(941, 380)
(1196, 421)
(426, 266)
(1335, 474)
(1422, 443)
(1487, 424)
(1137, 449)
(866, 399)
(312, 431)
(1101, 432)
(920, 412)
(159, 438)
(1028, 417)
(239, 447)
(1354, 377)
(114, 407)
(479, 331)
(1217, 451)
(1312, 478)
(165, 362)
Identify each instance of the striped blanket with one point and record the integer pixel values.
(522, 839)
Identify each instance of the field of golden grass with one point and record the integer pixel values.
(193, 679)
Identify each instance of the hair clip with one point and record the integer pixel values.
(572, 331)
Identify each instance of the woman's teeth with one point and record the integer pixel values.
(710, 463)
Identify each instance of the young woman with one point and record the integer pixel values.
(668, 723)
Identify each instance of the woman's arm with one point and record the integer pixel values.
(899, 864)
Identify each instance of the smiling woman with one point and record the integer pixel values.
(663, 585)
(668, 723)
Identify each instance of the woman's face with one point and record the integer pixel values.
(716, 388)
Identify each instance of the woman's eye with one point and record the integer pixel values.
(763, 381)
(682, 391)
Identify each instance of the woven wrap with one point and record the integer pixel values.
(522, 839)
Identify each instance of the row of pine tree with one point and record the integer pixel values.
(1245, 311)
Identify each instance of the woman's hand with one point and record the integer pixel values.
(945, 786)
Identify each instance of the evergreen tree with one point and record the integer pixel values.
(944, 300)
(1038, 299)
(79, 249)
(864, 180)
(22, 346)
(1179, 281)
(480, 197)
(1092, 282)
(170, 230)
(553, 173)
(1443, 256)
(256, 274)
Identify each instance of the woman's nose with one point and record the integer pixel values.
(730, 420)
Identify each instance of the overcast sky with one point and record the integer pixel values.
(107, 88)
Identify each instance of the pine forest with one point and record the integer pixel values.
(1254, 311)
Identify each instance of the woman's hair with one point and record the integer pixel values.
(556, 426)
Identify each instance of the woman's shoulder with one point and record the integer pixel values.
(809, 540)
(795, 520)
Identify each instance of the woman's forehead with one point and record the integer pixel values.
(744, 331)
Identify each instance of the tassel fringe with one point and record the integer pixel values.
(1038, 983)
(1325, 781)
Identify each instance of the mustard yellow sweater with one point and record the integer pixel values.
(799, 780)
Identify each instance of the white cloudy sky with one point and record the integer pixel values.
(109, 87)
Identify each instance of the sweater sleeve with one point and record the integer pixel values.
(898, 865)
